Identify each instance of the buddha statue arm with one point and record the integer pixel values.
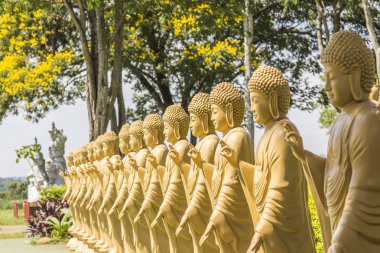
(110, 192)
(121, 197)
(88, 195)
(81, 194)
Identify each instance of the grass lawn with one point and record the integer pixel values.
(7, 219)
(13, 235)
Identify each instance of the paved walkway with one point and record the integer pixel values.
(11, 229)
(21, 246)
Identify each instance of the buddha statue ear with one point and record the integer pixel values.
(176, 131)
(205, 122)
(230, 115)
(354, 79)
(273, 105)
(140, 141)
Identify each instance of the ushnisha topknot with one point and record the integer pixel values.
(266, 80)
(175, 113)
(124, 132)
(225, 93)
(136, 128)
(200, 105)
(69, 155)
(109, 137)
(154, 121)
(346, 49)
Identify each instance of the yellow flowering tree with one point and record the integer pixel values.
(175, 49)
(36, 62)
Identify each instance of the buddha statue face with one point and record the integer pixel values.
(134, 143)
(200, 115)
(227, 107)
(349, 69)
(260, 108)
(196, 126)
(98, 150)
(169, 132)
(124, 146)
(336, 85)
(107, 149)
(149, 137)
(218, 118)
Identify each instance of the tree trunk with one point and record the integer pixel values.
(320, 14)
(372, 35)
(248, 26)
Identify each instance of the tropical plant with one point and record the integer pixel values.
(60, 228)
(48, 208)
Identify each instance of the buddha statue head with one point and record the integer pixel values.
(200, 115)
(349, 69)
(176, 123)
(269, 94)
(124, 139)
(82, 154)
(110, 144)
(90, 152)
(227, 107)
(69, 159)
(153, 127)
(136, 134)
(98, 148)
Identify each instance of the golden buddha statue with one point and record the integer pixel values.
(153, 127)
(199, 208)
(280, 188)
(122, 190)
(110, 176)
(374, 94)
(174, 204)
(136, 195)
(346, 185)
(231, 218)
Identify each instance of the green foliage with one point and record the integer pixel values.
(27, 151)
(60, 228)
(4, 183)
(13, 235)
(14, 190)
(327, 117)
(55, 193)
(18, 190)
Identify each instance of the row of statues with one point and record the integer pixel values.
(215, 197)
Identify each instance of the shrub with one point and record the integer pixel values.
(55, 193)
(60, 228)
(48, 208)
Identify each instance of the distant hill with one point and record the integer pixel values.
(4, 182)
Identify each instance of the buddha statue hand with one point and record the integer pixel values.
(195, 155)
(132, 162)
(335, 249)
(119, 163)
(229, 153)
(152, 160)
(158, 217)
(174, 155)
(182, 224)
(61, 174)
(255, 244)
(109, 165)
(123, 212)
(209, 229)
(295, 141)
(138, 216)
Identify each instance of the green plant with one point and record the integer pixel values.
(27, 151)
(60, 228)
(55, 193)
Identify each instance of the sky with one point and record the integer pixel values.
(15, 132)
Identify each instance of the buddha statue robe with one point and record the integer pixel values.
(133, 205)
(108, 200)
(199, 209)
(231, 215)
(281, 195)
(153, 199)
(351, 179)
(175, 201)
